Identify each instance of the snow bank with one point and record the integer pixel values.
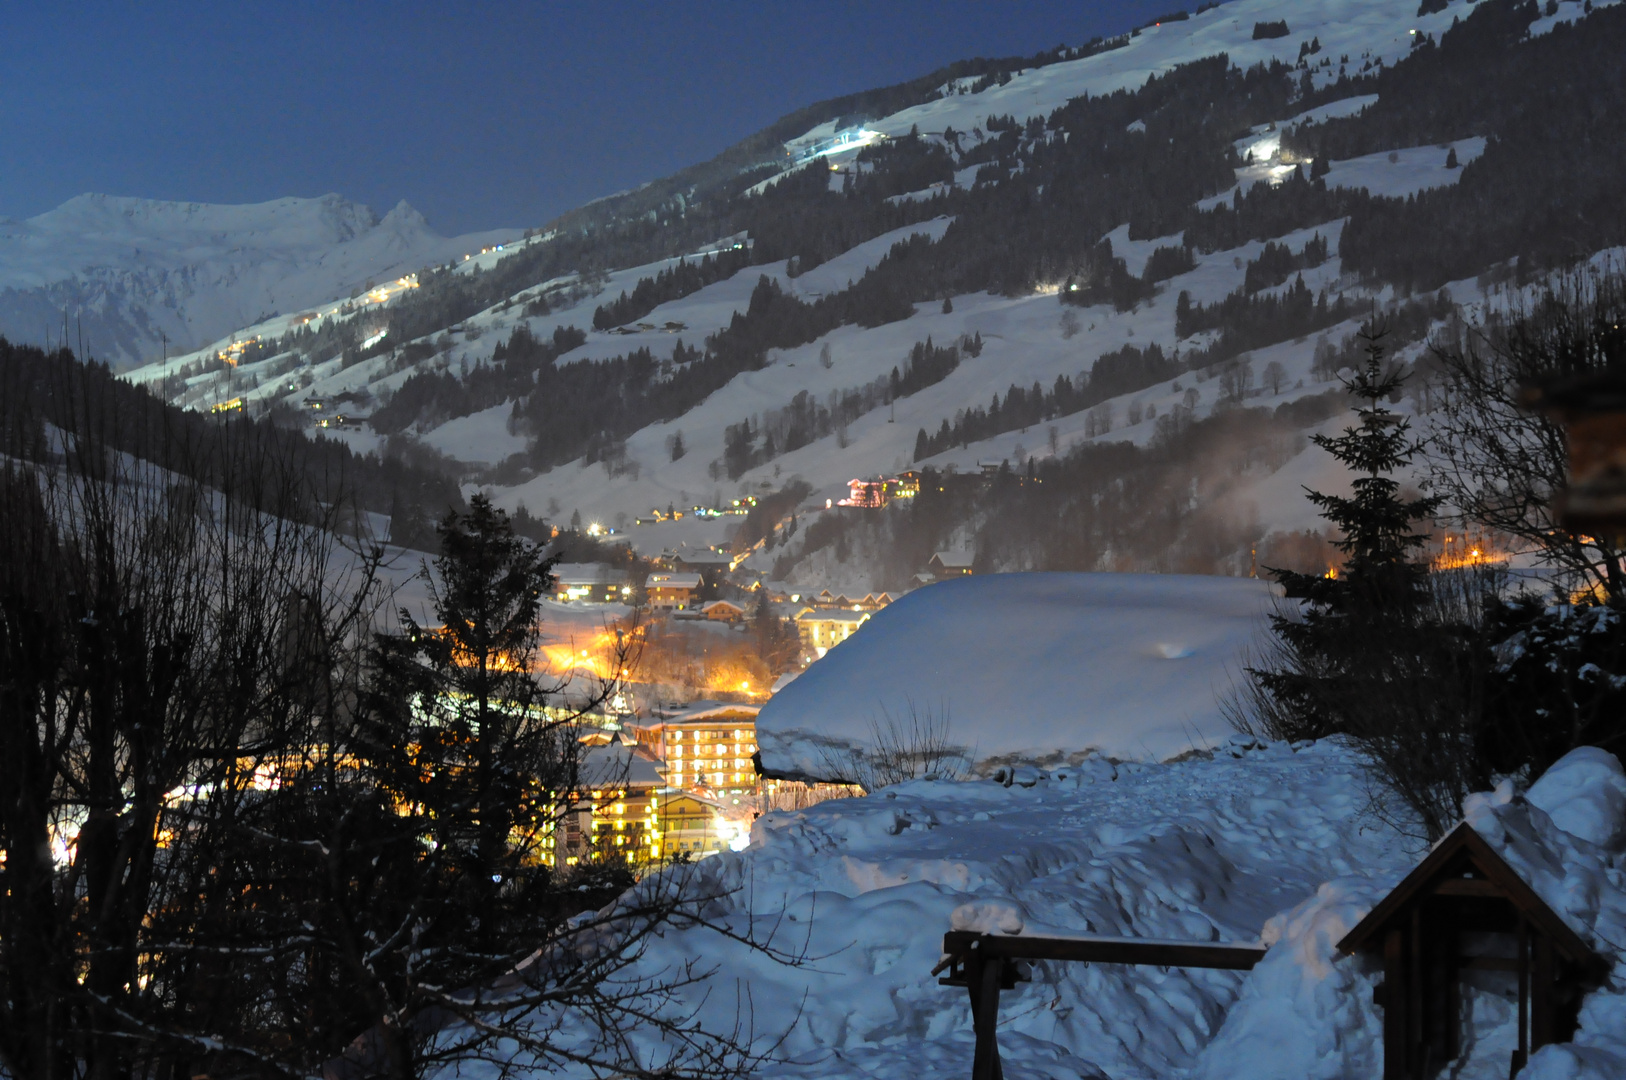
(1027, 668)
(1263, 842)
(1198, 850)
(1567, 838)
(1584, 794)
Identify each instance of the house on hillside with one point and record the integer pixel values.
(822, 629)
(949, 564)
(869, 601)
(702, 562)
(615, 814)
(697, 826)
(593, 583)
(877, 493)
(669, 591)
(707, 749)
(723, 611)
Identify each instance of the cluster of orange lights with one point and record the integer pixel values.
(1464, 551)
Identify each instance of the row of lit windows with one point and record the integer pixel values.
(719, 750)
(699, 734)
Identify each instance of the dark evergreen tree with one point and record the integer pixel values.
(1379, 591)
(476, 724)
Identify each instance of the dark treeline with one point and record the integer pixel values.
(1249, 322)
(673, 283)
(1106, 506)
(1276, 263)
(433, 397)
(1121, 372)
(82, 400)
(1167, 262)
(1105, 279)
(804, 420)
(1262, 212)
(588, 407)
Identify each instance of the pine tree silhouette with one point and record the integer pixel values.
(1376, 596)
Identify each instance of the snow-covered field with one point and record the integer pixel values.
(1261, 843)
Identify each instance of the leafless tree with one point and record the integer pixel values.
(915, 746)
(1498, 463)
(231, 847)
(154, 652)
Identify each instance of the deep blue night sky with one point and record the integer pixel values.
(480, 115)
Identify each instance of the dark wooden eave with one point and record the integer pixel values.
(1101, 949)
(1433, 877)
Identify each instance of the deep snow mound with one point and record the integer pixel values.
(1263, 842)
(1025, 669)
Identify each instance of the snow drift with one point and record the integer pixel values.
(1287, 845)
(1025, 668)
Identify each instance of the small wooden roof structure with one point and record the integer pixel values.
(1465, 908)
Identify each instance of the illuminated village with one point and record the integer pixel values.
(1085, 561)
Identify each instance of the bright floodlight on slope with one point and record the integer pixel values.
(839, 143)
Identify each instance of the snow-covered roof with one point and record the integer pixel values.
(616, 763)
(702, 558)
(833, 615)
(674, 581)
(587, 574)
(954, 560)
(1028, 666)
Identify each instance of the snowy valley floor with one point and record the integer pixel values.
(1261, 842)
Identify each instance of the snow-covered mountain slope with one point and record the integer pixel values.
(134, 272)
(1369, 32)
(442, 351)
(1284, 846)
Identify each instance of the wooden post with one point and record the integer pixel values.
(982, 980)
(1449, 953)
(1521, 1056)
(1395, 999)
(1543, 1003)
(1416, 1020)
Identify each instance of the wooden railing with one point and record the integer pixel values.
(985, 964)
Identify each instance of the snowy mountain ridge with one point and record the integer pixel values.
(433, 369)
(136, 272)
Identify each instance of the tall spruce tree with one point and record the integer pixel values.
(1381, 587)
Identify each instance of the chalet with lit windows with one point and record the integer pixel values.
(706, 748)
(701, 562)
(822, 629)
(868, 602)
(875, 494)
(593, 583)
(866, 494)
(949, 564)
(615, 814)
(694, 825)
(723, 611)
(671, 591)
